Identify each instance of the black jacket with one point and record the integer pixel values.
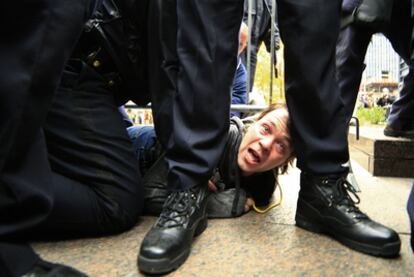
(261, 17)
(113, 42)
(259, 186)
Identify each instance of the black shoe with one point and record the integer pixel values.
(325, 206)
(167, 245)
(394, 132)
(47, 269)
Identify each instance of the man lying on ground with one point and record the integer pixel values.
(257, 150)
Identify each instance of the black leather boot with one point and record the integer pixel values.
(325, 206)
(407, 131)
(167, 245)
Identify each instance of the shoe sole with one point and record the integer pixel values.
(388, 250)
(163, 266)
(398, 134)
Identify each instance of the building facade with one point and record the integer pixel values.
(382, 63)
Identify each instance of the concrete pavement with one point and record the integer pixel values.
(259, 245)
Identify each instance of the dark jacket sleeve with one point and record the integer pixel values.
(260, 187)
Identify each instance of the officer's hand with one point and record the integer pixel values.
(249, 204)
(212, 186)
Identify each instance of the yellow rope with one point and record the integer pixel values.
(270, 206)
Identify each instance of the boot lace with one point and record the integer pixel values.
(177, 209)
(348, 197)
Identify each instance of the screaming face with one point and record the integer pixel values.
(266, 144)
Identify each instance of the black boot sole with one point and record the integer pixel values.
(388, 250)
(399, 134)
(163, 266)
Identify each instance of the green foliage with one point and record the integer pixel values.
(375, 115)
(262, 77)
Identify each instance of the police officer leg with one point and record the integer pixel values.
(39, 41)
(400, 33)
(199, 60)
(320, 129)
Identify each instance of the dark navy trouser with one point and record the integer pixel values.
(89, 182)
(193, 60)
(319, 130)
(92, 159)
(38, 37)
(192, 70)
(410, 208)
